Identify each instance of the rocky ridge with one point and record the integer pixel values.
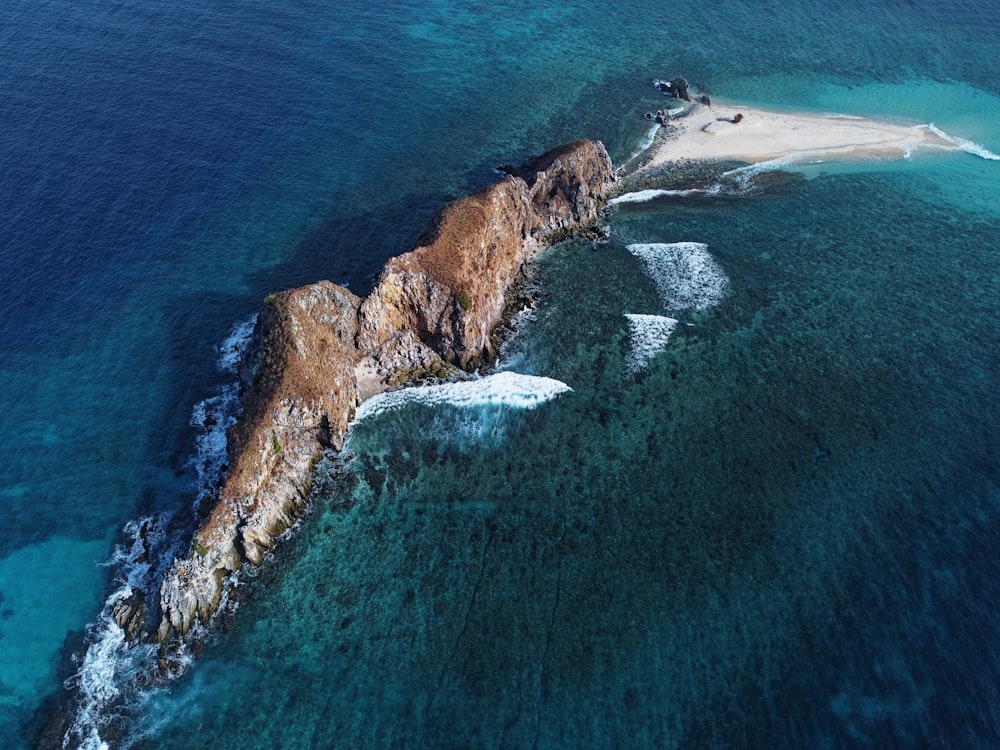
(319, 351)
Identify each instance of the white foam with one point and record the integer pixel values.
(213, 416)
(685, 274)
(969, 147)
(743, 177)
(110, 664)
(97, 688)
(133, 562)
(649, 336)
(650, 137)
(644, 196)
(216, 414)
(770, 165)
(232, 349)
(508, 389)
(640, 196)
(647, 141)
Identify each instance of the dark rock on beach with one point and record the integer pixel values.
(677, 88)
(662, 117)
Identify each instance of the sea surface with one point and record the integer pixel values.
(757, 510)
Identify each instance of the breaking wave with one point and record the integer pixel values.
(686, 275)
(644, 196)
(743, 177)
(649, 335)
(506, 388)
(232, 349)
(648, 140)
(213, 417)
(106, 678)
(969, 147)
(735, 182)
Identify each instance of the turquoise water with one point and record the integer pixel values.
(778, 533)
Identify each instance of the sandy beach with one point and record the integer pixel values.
(713, 132)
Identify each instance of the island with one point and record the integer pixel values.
(319, 355)
(318, 352)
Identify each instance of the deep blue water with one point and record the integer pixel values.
(780, 534)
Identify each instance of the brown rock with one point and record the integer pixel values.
(300, 396)
(318, 351)
(451, 290)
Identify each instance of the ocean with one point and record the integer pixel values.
(770, 523)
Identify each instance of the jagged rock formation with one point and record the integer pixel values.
(678, 88)
(319, 351)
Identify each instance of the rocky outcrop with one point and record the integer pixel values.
(300, 394)
(319, 351)
(678, 88)
(451, 290)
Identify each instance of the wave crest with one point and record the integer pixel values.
(686, 275)
(649, 335)
(644, 196)
(969, 147)
(506, 388)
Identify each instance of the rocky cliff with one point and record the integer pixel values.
(319, 351)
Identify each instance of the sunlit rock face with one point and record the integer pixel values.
(319, 351)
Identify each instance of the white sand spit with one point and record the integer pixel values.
(761, 135)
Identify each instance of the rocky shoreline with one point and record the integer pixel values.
(319, 351)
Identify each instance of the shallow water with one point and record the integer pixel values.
(793, 503)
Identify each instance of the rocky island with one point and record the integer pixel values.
(319, 351)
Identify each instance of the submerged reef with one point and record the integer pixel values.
(319, 351)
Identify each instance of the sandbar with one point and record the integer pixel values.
(717, 133)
